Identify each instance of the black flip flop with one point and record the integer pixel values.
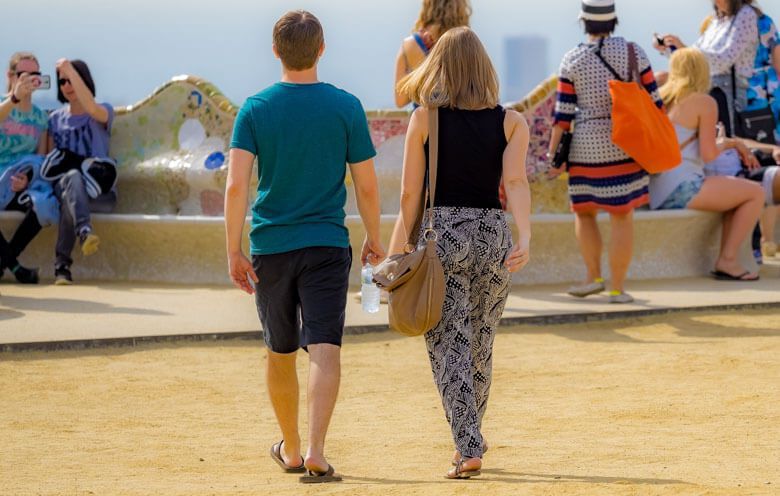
(725, 276)
(276, 455)
(313, 477)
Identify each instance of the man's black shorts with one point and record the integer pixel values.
(302, 296)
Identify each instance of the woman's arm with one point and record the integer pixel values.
(95, 110)
(710, 145)
(22, 89)
(401, 69)
(739, 37)
(565, 111)
(43, 144)
(411, 180)
(518, 192)
(776, 59)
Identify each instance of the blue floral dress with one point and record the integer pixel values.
(764, 85)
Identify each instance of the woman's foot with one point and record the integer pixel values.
(465, 469)
(620, 297)
(456, 456)
(587, 288)
(726, 270)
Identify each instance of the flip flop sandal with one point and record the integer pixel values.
(276, 455)
(313, 477)
(725, 276)
(459, 473)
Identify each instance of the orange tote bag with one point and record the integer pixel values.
(639, 128)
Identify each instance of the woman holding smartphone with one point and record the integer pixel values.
(22, 136)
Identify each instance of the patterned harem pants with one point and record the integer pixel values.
(472, 245)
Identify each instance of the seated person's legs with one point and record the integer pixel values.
(75, 220)
(25, 232)
(742, 202)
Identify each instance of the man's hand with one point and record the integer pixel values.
(519, 256)
(19, 182)
(242, 272)
(373, 252)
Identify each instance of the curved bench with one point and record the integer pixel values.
(191, 249)
(172, 152)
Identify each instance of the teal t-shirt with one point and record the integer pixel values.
(304, 135)
(20, 134)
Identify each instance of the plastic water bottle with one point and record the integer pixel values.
(369, 292)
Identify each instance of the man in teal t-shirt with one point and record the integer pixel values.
(303, 133)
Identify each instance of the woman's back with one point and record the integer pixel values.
(470, 164)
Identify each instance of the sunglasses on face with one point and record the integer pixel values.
(63, 81)
(33, 73)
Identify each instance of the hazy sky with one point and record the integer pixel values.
(134, 46)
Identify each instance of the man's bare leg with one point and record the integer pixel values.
(324, 378)
(282, 379)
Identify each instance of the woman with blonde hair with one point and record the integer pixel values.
(694, 114)
(436, 18)
(22, 140)
(480, 144)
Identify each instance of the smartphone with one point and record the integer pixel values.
(658, 39)
(44, 82)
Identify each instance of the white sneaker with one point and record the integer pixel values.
(583, 290)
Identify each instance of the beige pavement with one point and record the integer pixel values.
(98, 311)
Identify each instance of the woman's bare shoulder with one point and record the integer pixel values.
(514, 121)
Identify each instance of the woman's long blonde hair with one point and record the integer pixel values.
(442, 15)
(457, 73)
(689, 73)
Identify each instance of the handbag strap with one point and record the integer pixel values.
(604, 61)
(633, 64)
(429, 192)
(433, 158)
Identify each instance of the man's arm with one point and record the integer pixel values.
(236, 198)
(367, 195)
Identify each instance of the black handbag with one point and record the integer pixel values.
(562, 151)
(758, 125)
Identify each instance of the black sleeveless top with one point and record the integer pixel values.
(471, 151)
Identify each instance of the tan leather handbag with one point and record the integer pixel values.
(415, 280)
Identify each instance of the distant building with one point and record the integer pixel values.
(525, 65)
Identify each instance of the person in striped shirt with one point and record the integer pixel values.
(601, 176)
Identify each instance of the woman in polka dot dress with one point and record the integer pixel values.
(601, 175)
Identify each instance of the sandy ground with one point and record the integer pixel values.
(688, 404)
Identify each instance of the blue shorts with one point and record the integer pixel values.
(682, 195)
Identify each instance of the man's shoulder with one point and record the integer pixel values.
(340, 96)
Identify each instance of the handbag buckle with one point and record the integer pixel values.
(430, 235)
